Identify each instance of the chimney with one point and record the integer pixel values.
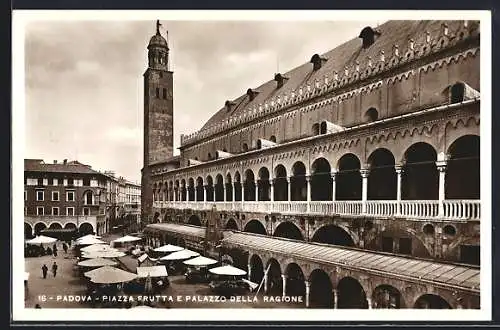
(65, 161)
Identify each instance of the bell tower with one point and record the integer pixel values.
(158, 113)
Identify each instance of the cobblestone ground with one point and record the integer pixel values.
(67, 285)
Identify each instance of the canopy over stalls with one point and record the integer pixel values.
(153, 271)
(62, 234)
(109, 275)
(126, 239)
(89, 241)
(227, 270)
(181, 255)
(168, 248)
(200, 261)
(42, 240)
(97, 262)
(103, 254)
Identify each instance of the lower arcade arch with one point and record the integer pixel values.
(462, 171)
(28, 230)
(431, 301)
(332, 234)
(321, 294)
(194, 220)
(288, 230)
(231, 224)
(256, 269)
(295, 280)
(256, 227)
(86, 229)
(351, 294)
(70, 225)
(387, 297)
(39, 227)
(55, 225)
(274, 279)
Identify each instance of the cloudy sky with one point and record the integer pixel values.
(84, 90)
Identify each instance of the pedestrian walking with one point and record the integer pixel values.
(65, 248)
(45, 269)
(54, 268)
(55, 252)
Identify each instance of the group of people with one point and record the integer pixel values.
(45, 269)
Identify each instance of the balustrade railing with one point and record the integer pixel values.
(418, 209)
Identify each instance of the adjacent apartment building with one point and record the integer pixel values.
(69, 196)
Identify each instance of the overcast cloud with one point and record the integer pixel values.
(84, 89)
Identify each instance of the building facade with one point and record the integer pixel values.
(372, 147)
(69, 195)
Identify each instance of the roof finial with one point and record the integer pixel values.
(158, 24)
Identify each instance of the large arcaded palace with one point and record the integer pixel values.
(352, 180)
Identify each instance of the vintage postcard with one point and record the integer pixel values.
(195, 165)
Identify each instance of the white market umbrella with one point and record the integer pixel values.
(200, 261)
(97, 247)
(88, 236)
(126, 239)
(227, 270)
(103, 254)
(90, 241)
(181, 255)
(97, 262)
(42, 240)
(153, 271)
(109, 275)
(168, 248)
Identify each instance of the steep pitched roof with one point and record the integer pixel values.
(346, 55)
(38, 165)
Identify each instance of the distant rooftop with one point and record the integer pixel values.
(74, 166)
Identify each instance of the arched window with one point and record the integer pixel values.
(315, 129)
(457, 92)
(244, 147)
(371, 115)
(272, 138)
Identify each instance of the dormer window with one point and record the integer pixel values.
(280, 79)
(252, 93)
(317, 61)
(229, 105)
(368, 35)
(457, 93)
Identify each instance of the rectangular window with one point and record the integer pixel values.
(55, 196)
(157, 92)
(55, 211)
(39, 195)
(55, 182)
(71, 182)
(86, 211)
(50, 181)
(39, 210)
(86, 182)
(25, 195)
(387, 244)
(164, 93)
(70, 211)
(70, 196)
(39, 182)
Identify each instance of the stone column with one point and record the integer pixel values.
(205, 188)
(308, 185)
(364, 192)
(225, 192)
(441, 167)
(196, 193)
(249, 266)
(243, 195)
(256, 190)
(283, 279)
(333, 175)
(234, 191)
(175, 194)
(335, 298)
(271, 183)
(308, 292)
(369, 300)
(266, 280)
(399, 172)
(289, 181)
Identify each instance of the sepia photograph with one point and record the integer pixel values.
(252, 165)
